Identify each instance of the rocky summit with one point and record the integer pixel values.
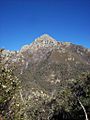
(45, 80)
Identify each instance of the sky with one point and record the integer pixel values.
(21, 21)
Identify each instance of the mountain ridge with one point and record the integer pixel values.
(44, 36)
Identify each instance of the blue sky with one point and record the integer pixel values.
(21, 21)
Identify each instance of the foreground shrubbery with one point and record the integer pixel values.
(9, 86)
(64, 104)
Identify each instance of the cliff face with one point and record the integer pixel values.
(47, 73)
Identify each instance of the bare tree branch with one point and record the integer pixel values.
(83, 109)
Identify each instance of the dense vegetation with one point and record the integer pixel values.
(9, 87)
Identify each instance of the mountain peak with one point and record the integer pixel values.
(43, 41)
(45, 38)
(45, 35)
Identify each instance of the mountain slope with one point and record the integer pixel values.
(44, 69)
